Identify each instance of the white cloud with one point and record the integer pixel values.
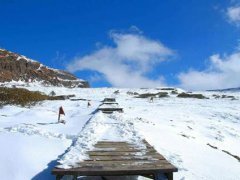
(125, 64)
(233, 14)
(223, 72)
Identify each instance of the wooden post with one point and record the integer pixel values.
(169, 176)
(158, 176)
(58, 177)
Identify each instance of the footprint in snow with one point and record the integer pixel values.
(177, 161)
(30, 129)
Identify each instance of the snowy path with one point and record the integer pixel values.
(180, 129)
(100, 127)
(113, 127)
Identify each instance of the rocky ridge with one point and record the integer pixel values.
(15, 67)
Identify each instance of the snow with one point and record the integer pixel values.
(32, 142)
(27, 59)
(28, 157)
(40, 67)
(64, 73)
(99, 127)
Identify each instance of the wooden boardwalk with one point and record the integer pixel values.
(109, 100)
(110, 158)
(106, 108)
(121, 159)
(109, 105)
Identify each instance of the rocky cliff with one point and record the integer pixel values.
(17, 67)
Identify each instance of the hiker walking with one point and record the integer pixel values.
(61, 112)
(151, 99)
(88, 104)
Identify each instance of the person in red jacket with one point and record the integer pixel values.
(61, 111)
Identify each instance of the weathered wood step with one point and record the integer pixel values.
(121, 158)
(109, 158)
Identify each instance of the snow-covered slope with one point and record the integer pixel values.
(227, 90)
(199, 136)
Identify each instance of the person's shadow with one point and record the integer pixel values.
(45, 174)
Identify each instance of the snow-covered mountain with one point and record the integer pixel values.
(15, 67)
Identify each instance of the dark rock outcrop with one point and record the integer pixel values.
(17, 67)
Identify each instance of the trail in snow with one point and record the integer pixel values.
(32, 130)
(179, 129)
(112, 127)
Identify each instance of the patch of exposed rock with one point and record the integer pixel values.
(17, 67)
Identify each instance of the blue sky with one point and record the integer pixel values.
(189, 43)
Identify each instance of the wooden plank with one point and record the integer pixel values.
(110, 109)
(124, 163)
(121, 158)
(109, 100)
(108, 146)
(107, 112)
(114, 170)
(109, 106)
(107, 157)
(109, 103)
(119, 144)
(113, 142)
(116, 150)
(110, 112)
(114, 145)
(113, 153)
(126, 168)
(122, 149)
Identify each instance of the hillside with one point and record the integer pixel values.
(15, 67)
(227, 90)
(200, 136)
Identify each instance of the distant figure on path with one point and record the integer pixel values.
(151, 99)
(88, 104)
(61, 111)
